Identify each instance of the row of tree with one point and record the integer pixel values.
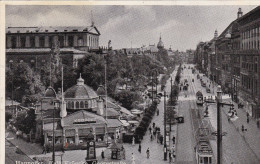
(26, 84)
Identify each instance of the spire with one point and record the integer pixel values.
(92, 19)
(80, 81)
(239, 13)
(216, 34)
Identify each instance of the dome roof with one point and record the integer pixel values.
(160, 44)
(80, 90)
(50, 93)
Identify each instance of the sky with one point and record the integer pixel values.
(181, 27)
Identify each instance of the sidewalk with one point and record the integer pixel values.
(252, 135)
(26, 147)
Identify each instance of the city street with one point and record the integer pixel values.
(236, 148)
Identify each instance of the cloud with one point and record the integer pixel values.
(181, 26)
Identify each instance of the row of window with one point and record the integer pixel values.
(47, 41)
(249, 83)
(250, 66)
(251, 45)
(251, 33)
(81, 104)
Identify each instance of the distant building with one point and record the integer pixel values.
(33, 45)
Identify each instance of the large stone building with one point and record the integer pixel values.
(34, 45)
(237, 59)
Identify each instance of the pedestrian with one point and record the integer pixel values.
(161, 139)
(150, 129)
(148, 152)
(157, 112)
(243, 128)
(123, 152)
(17, 134)
(247, 114)
(228, 119)
(140, 148)
(247, 120)
(173, 139)
(151, 137)
(170, 156)
(257, 123)
(133, 158)
(44, 149)
(102, 154)
(153, 125)
(133, 141)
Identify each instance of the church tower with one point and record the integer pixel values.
(160, 44)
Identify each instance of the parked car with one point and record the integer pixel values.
(203, 84)
(207, 90)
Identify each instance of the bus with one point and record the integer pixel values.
(199, 98)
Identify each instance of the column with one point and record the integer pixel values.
(63, 137)
(94, 132)
(8, 42)
(45, 138)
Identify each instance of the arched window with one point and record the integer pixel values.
(80, 41)
(81, 104)
(86, 104)
(77, 105)
(69, 105)
(72, 105)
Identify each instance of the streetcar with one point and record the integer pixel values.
(199, 98)
(204, 153)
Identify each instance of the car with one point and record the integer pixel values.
(180, 119)
(207, 90)
(160, 94)
(203, 84)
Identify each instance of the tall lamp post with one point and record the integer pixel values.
(219, 132)
(165, 147)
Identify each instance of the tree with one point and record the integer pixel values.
(23, 80)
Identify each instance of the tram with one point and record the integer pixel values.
(199, 98)
(204, 153)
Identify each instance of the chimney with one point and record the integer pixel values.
(239, 13)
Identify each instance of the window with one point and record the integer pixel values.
(255, 68)
(61, 40)
(80, 41)
(13, 42)
(72, 104)
(23, 42)
(81, 104)
(32, 41)
(77, 105)
(86, 104)
(41, 41)
(70, 41)
(69, 105)
(50, 41)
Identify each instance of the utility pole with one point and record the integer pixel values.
(53, 139)
(165, 148)
(219, 126)
(170, 109)
(152, 87)
(156, 81)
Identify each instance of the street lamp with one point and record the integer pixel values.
(219, 132)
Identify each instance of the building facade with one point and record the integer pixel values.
(235, 62)
(34, 45)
